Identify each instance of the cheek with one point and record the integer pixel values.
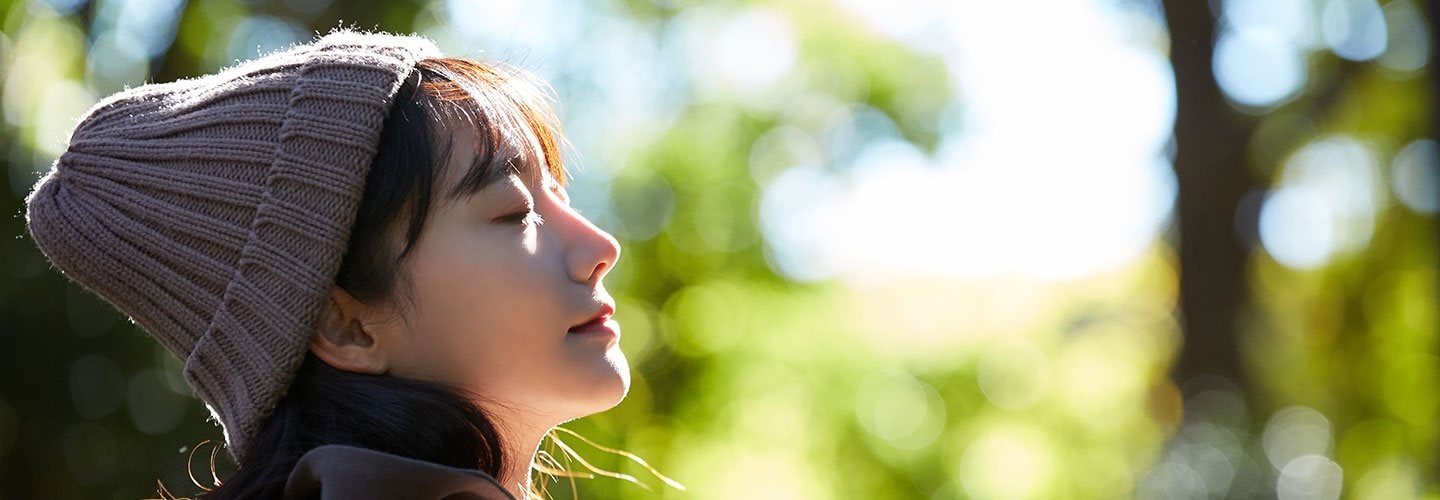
(481, 313)
(491, 316)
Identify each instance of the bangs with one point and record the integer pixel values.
(507, 111)
(509, 116)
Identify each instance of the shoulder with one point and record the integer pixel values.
(338, 471)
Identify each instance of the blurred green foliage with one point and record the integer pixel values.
(1355, 340)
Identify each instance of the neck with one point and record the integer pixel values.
(520, 447)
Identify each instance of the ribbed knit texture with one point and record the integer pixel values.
(215, 211)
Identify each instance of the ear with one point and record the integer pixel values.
(346, 339)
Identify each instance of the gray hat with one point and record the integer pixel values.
(215, 211)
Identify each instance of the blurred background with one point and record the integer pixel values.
(874, 249)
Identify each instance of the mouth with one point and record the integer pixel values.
(599, 323)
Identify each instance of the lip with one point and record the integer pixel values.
(599, 324)
(607, 329)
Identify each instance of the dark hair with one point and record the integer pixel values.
(410, 418)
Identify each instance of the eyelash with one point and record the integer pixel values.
(529, 216)
(525, 217)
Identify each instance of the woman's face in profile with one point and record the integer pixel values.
(509, 301)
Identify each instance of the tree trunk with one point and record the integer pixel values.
(1212, 172)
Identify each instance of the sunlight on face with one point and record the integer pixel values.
(507, 288)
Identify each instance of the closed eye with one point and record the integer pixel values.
(525, 217)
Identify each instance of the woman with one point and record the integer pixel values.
(365, 255)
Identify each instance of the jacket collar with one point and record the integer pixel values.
(334, 472)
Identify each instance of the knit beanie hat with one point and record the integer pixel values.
(215, 211)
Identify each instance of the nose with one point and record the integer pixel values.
(592, 253)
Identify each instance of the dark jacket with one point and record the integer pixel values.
(334, 472)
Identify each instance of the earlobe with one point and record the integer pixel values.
(341, 339)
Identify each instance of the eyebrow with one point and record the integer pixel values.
(494, 164)
(483, 171)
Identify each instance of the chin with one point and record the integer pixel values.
(619, 380)
(609, 387)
